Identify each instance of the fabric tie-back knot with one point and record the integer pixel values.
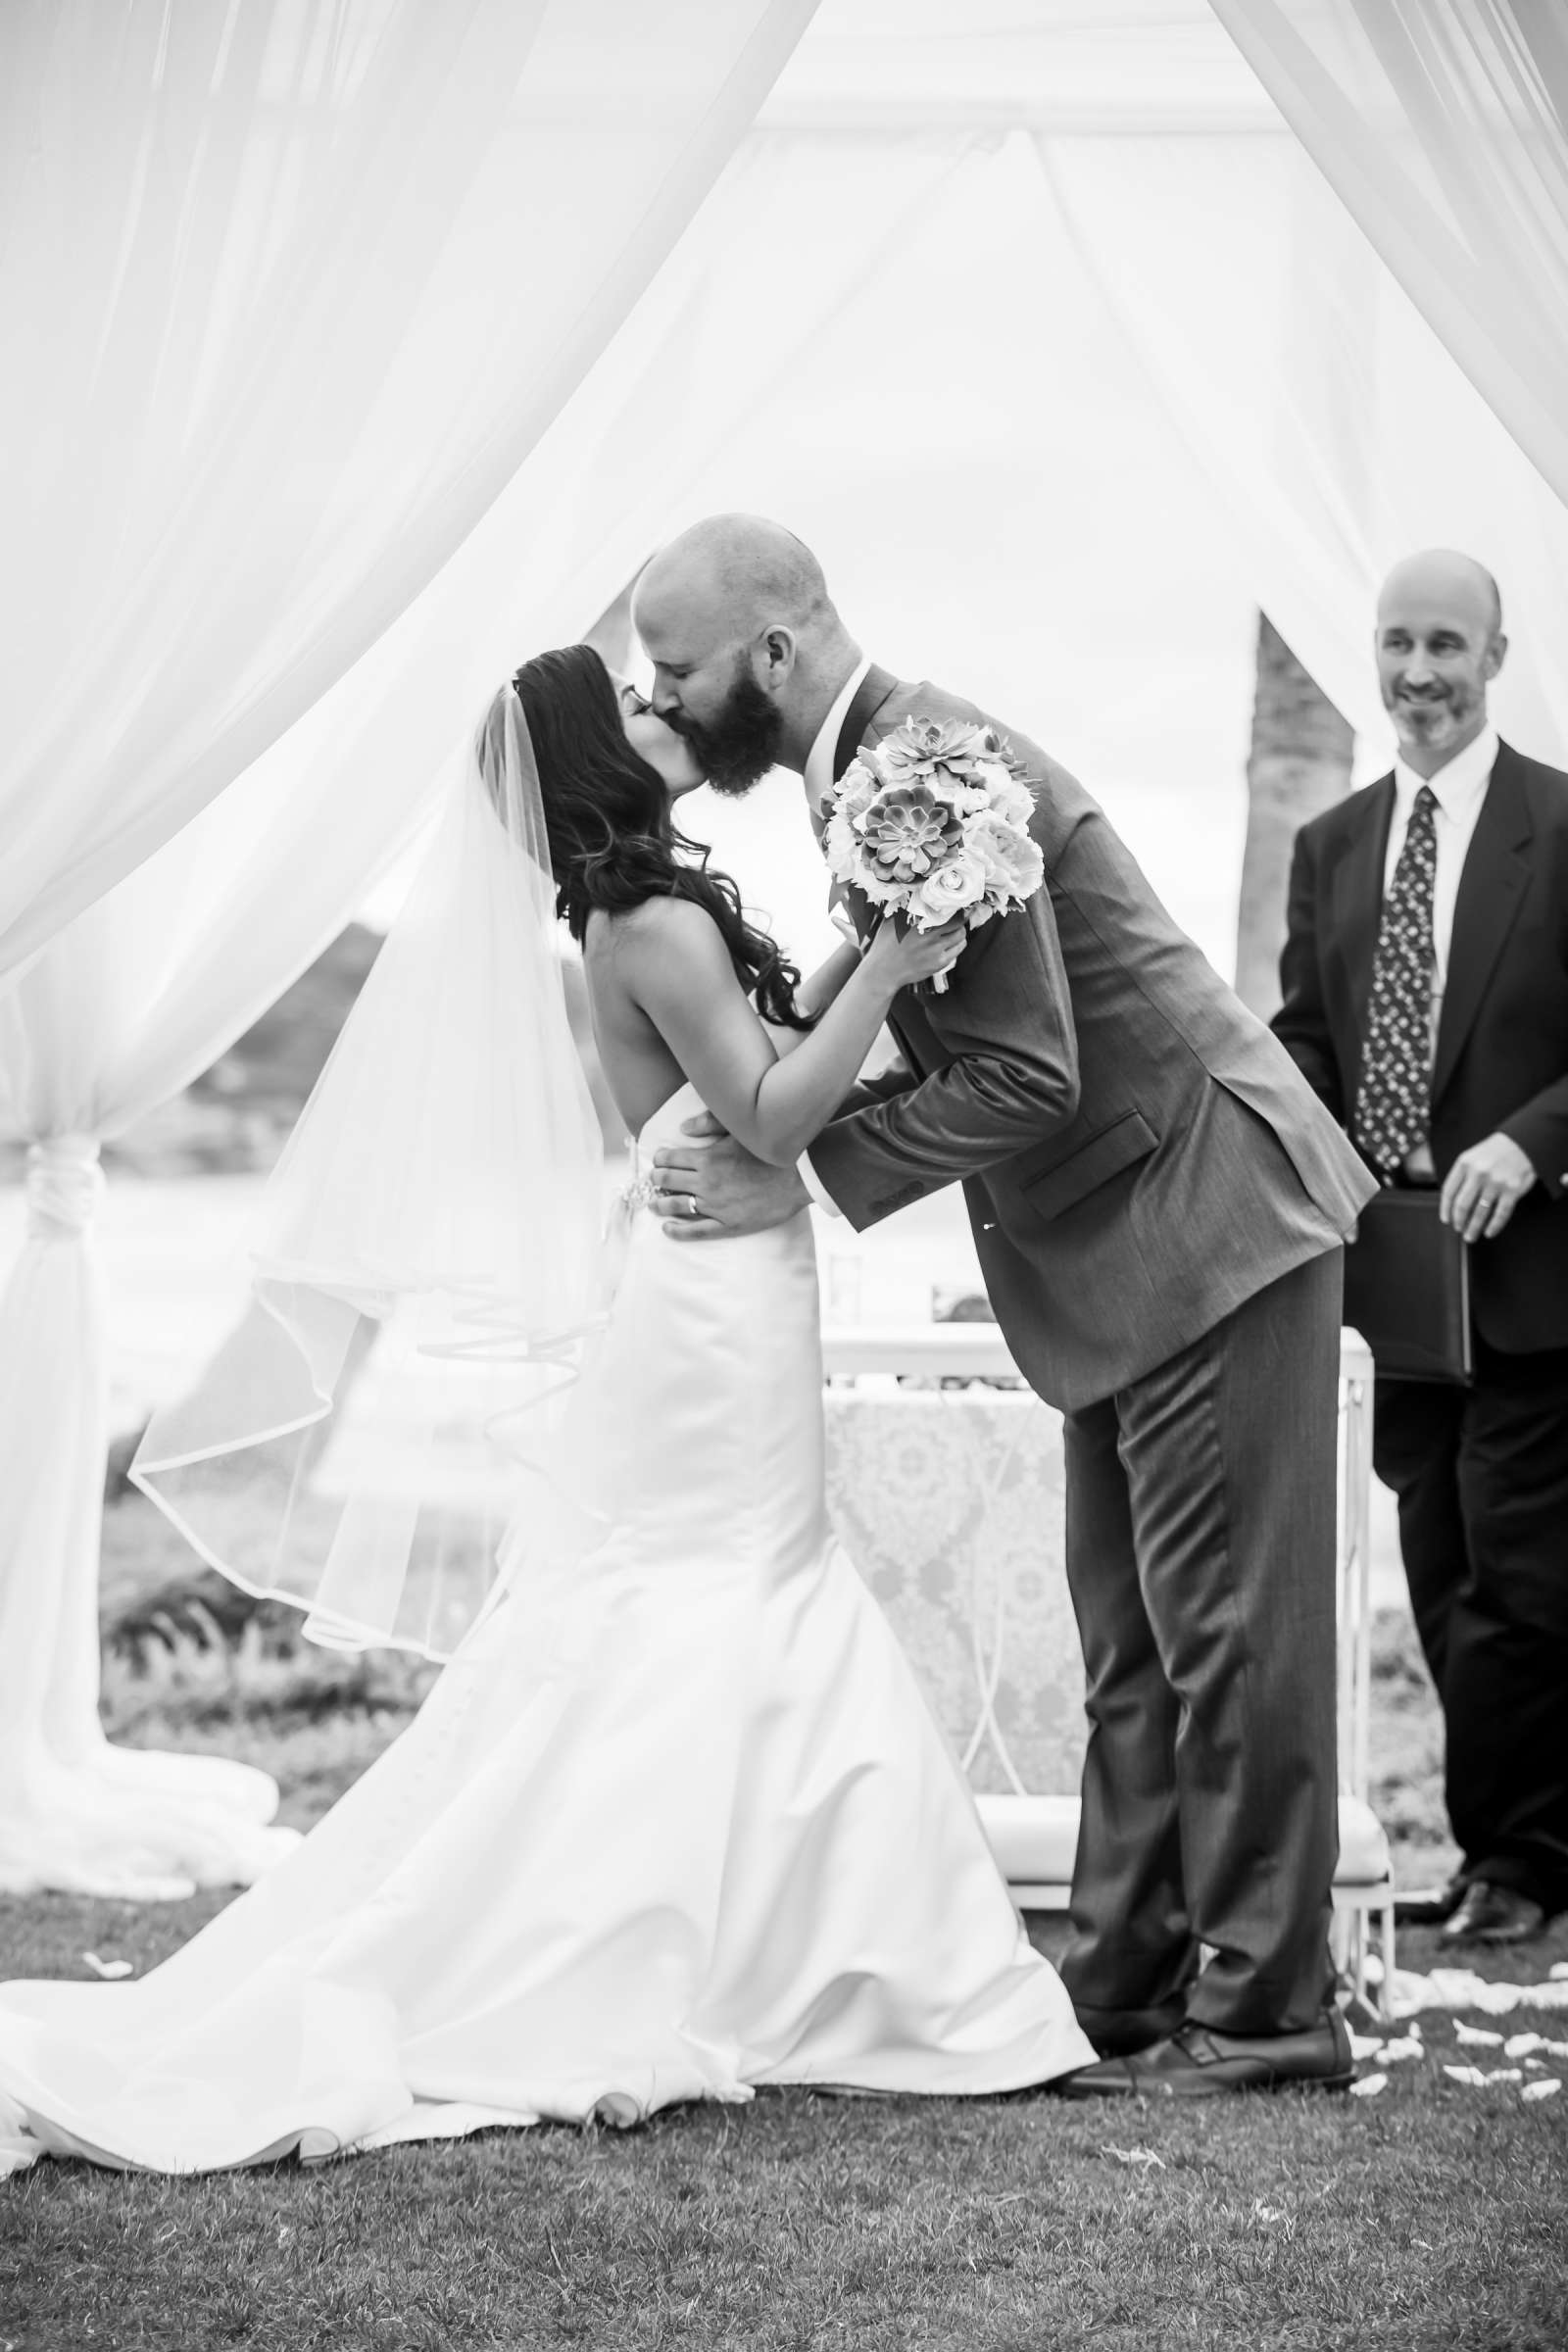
(63, 1185)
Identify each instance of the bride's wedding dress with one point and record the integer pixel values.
(674, 1823)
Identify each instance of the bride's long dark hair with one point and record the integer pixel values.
(613, 840)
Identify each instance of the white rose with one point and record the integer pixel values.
(985, 836)
(955, 887)
(1012, 861)
(859, 785)
(1011, 801)
(841, 847)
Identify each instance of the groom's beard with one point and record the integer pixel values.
(737, 748)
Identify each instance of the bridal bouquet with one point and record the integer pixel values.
(933, 823)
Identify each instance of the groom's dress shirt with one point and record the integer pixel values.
(819, 782)
(1458, 788)
(818, 776)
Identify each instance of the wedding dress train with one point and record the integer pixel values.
(673, 1824)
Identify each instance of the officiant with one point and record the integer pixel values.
(1425, 980)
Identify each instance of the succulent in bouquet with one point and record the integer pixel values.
(933, 823)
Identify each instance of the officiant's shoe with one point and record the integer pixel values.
(1488, 1914)
(1430, 1906)
(1200, 2061)
(1117, 2033)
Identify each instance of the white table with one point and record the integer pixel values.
(949, 1501)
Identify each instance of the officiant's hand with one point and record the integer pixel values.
(716, 1189)
(1483, 1186)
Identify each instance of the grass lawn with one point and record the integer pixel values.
(1430, 2216)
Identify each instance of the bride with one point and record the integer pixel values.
(675, 1822)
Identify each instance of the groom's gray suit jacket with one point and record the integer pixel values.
(1137, 1152)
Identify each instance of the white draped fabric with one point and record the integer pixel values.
(338, 270)
(127, 1005)
(1442, 125)
(1189, 386)
(1040, 327)
(1332, 430)
(303, 282)
(1065, 359)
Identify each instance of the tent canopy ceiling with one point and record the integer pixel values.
(1055, 65)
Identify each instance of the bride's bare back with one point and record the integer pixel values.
(639, 1071)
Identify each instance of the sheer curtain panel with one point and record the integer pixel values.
(301, 282)
(1444, 127)
(329, 274)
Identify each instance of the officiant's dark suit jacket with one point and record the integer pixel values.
(1481, 1473)
(1501, 1056)
(1137, 1153)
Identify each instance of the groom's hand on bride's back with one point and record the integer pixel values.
(715, 1188)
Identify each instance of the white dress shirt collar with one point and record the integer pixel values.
(819, 782)
(819, 775)
(1458, 784)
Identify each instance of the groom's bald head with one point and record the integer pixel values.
(738, 573)
(737, 620)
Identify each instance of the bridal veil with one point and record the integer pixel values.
(428, 1267)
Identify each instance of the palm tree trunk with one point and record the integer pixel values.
(1299, 763)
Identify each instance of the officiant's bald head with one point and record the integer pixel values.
(1442, 575)
(747, 647)
(1439, 644)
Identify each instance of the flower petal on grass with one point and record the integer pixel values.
(1548, 2088)
(1143, 2157)
(1477, 2037)
(108, 1969)
(1370, 2084)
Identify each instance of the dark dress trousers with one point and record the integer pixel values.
(1158, 1204)
(1481, 1474)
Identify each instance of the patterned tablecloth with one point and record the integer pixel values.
(950, 1503)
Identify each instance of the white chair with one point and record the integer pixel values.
(975, 1641)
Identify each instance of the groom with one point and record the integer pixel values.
(1159, 1203)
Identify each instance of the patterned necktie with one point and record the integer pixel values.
(1393, 1108)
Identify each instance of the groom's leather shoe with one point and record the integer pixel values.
(1429, 1906)
(1115, 2033)
(1488, 1914)
(1198, 2061)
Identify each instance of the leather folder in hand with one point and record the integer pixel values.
(1407, 1289)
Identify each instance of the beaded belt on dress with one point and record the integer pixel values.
(639, 1191)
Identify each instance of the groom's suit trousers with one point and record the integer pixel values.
(1200, 1553)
